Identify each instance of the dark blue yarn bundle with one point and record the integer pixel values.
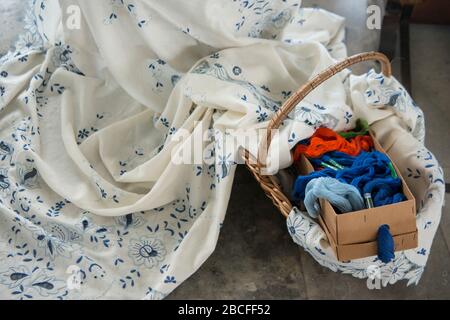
(385, 244)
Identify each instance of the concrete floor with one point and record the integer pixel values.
(11, 17)
(256, 259)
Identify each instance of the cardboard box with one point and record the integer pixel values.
(353, 235)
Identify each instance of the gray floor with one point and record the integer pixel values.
(255, 257)
(11, 17)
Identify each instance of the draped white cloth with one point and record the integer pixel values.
(88, 126)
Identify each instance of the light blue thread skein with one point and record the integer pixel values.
(342, 196)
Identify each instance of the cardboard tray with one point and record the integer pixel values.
(353, 235)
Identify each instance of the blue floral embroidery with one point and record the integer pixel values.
(147, 251)
(170, 279)
(218, 71)
(347, 117)
(314, 116)
(55, 240)
(422, 251)
(55, 210)
(6, 150)
(28, 284)
(27, 175)
(4, 181)
(130, 8)
(261, 115)
(83, 133)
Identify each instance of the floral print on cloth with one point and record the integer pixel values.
(91, 205)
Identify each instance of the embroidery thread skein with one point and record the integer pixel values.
(301, 182)
(325, 140)
(369, 173)
(361, 129)
(342, 196)
(385, 244)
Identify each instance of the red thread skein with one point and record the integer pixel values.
(325, 140)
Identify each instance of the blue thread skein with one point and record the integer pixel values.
(342, 196)
(369, 172)
(385, 244)
(301, 182)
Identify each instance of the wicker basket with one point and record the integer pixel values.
(269, 183)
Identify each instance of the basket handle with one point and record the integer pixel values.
(304, 90)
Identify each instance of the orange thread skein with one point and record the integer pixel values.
(325, 140)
